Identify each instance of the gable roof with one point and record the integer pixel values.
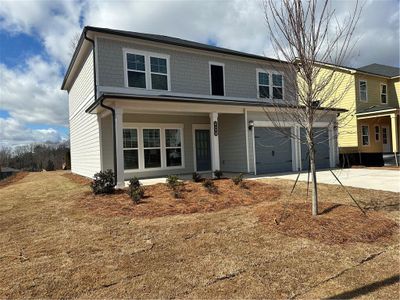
(382, 70)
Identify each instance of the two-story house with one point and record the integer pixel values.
(371, 94)
(149, 105)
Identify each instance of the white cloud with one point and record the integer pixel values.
(31, 93)
(14, 133)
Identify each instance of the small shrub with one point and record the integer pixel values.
(103, 182)
(175, 185)
(210, 186)
(218, 174)
(136, 190)
(196, 177)
(238, 179)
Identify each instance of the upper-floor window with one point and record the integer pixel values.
(383, 93)
(217, 79)
(270, 84)
(363, 90)
(146, 70)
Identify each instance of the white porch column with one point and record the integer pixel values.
(119, 147)
(394, 131)
(214, 138)
(332, 145)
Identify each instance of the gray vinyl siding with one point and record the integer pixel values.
(189, 70)
(232, 141)
(84, 127)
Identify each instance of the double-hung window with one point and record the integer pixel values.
(173, 147)
(136, 70)
(277, 86)
(152, 147)
(130, 143)
(269, 85)
(363, 90)
(146, 70)
(263, 85)
(365, 135)
(159, 74)
(383, 93)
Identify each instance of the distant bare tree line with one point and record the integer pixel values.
(36, 157)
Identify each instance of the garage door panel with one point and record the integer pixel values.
(273, 150)
(321, 141)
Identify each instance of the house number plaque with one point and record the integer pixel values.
(215, 128)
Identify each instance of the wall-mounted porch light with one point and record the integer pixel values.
(251, 125)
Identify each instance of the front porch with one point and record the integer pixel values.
(151, 142)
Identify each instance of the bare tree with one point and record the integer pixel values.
(312, 41)
(73, 43)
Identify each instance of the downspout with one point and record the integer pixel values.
(106, 107)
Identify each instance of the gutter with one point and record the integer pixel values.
(100, 101)
(191, 100)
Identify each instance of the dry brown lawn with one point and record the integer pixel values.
(53, 247)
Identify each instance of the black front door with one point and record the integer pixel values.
(203, 149)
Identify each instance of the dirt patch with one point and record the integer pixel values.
(336, 224)
(77, 178)
(12, 179)
(159, 201)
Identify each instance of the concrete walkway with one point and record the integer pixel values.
(385, 180)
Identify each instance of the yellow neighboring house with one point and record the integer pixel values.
(372, 97)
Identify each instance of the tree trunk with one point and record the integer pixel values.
(314, 199)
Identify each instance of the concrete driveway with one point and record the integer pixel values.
(386, 180)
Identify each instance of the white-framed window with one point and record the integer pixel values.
(365, 135)
(263, 84)
(377, 133)
(363, 94)
(217, 78)
(152, 147)
(383, 93)
(149, 147)
(173, 147)
(277, 86)
(131, 148)
(146, 70)
(270, 85)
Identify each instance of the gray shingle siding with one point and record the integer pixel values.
(189, 71)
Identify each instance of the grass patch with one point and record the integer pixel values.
(12, 179)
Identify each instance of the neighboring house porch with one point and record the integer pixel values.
(378, 130)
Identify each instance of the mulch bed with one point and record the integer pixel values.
(78, 178)
(12, 179)
(159, 200)
(336, 224)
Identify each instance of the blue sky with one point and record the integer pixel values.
(35, 39)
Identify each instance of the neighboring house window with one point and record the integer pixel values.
(365, 135)
(173, 147)
(130, 143)
(384, 136)
(136, 69)
(147, 70)
(263, 85)
(377, 133)
(277, 86)
(383, 94)
(159, 77)
(217, 79)
(151, 148)
(363, 90)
